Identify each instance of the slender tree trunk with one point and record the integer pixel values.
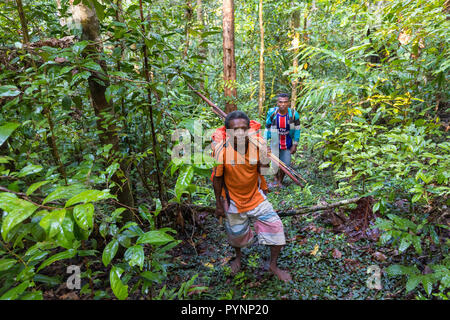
(23, 22)
(203, 47)
(119, 18)
(229, 62)
(150, 107)
(188, 17)
(98, 82)
(262, 87)
(295, 24)
(51, 141)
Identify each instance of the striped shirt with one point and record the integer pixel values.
(283, 131)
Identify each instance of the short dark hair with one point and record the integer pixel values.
(283, 95)
(236, 115)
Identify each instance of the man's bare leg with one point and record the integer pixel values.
(273, 267)
(236, 263)
(280, 178)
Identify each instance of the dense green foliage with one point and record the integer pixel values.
(374, 112)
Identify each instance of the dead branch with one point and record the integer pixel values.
(281, 214)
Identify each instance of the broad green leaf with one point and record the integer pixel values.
(6, 130)
(84, 215)
(5, 159)
(66, 237)
(151, 276)
(395, 270)
(110, 251)
(100, 9)
(18, 210)
(79, 46)
(35, 295)
(135, 256)
(14, 293)
(9, 91)
(325, 165)
(128, 225)
(412, 282)
(112, 169)
(385, 237)
(376, 207)
(5, 264)
(117, 213)
(404, 244)
(64, 192)
(51, 281)
(89, 196)
(119, 289)
(66, 102)
(52, 221)
(427, 284)
(158, 207)
(417, 245)
(183, 181)
(36, 186)
(155, 237)
(92, 66)
(30, 169)
(68, 254)
(416, 197)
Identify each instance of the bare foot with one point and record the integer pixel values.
(281, 274)
(235, 266)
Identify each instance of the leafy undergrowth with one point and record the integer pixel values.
(323, 264)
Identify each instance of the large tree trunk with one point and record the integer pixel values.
(262, 87)
(229, 62)
(98, 82)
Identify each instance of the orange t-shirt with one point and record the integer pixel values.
(242, 179)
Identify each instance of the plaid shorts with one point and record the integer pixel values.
(267, 223)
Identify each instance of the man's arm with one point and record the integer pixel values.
(296, 133)
(268, 134)
(218, 186)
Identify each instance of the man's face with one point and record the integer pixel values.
(239, 129)
(283, 104)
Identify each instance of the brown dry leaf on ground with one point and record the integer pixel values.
(312, 227)
(379, 256)
(70, 296)
(337, 254)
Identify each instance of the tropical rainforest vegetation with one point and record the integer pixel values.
(92, 91)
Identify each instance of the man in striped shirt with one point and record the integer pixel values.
(284, 124)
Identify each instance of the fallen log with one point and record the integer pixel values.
(320, 207)
(282, 214)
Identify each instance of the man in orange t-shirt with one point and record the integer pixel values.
(240, 198)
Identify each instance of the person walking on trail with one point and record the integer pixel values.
(283, 129)
(239, 197)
